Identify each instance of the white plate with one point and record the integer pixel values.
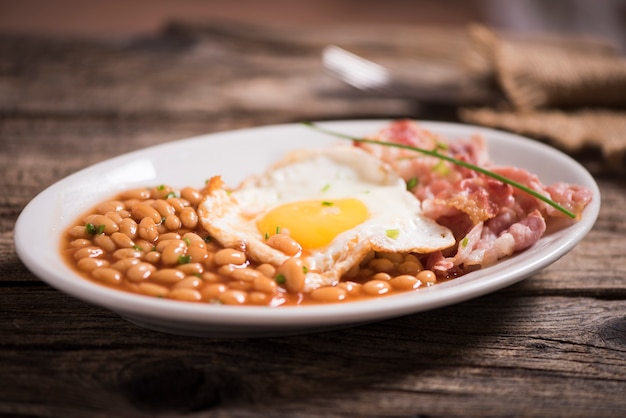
(235, 155)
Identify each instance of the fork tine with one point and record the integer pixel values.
(354, 70)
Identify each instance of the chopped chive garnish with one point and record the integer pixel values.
(280, 279)
(170, 194)
(198, 275)
(187, 240)
(437, 154)
(278, 229)
(160, 187)
(441, 168)
(184, 259)
(137, 247)
(94, 230)
(464, 242)
(326, 203)
(412, 183)
(326, 187)
(392, 233)
(163, 219)
(305, 269)
(267, 235)
(208, 238)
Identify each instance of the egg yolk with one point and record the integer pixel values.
(314, 223)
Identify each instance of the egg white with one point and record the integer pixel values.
(395, 222)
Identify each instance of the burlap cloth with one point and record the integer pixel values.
(569, 92)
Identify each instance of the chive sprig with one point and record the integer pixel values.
(437, 154)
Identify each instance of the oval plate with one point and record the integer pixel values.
(236, 155)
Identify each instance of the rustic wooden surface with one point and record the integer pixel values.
(552, 345)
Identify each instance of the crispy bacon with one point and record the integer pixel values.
(490, 219)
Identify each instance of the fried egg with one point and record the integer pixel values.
(339, 203)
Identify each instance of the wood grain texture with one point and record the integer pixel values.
(552, 345)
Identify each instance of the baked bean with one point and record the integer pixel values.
(193, 237)
(351, 288)
(413, 259)
(368, 257)
(143, 210)
(163, 208)
(292, 273)
(233, 297)
(90, 252)
(168, 276)
(125, 264)
(148, 229)
(151, 289)
(191, 268)
(110, 206)
(376, 287)
(97, 220)
(259, 298)
(107, 275)
(189, 282)
(115, 217)
(127, 253)
(140, 271)
(285, 244)
(246, 274)
(79, 231)
(210, 277)
(129, 227)
(381, 276)
(410, 267)
(161, 191)
(152, 257)
(192, 195)
(172, 254)
(172, 222)
(139, 194)
(80, 242)
(105, 242)
(169, 236)
(329, 294)
(426, 276)
(265, 284)
(240, 285)
(197, 252)
(267, 270)
(353, 272)
(229, 256)
(189, 218)
(122, 240)
(190, 295)
(178, 203)
(212, 291)
(404, 282)
(381, 265)
(395, 258)
(89, 264)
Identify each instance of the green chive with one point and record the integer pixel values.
(280, 279)
(184, 259)
(327, 203)
(278, 229)
(160, 187)
(435, 153)
(267, 236)
(412, 183)
(464, 242)
(170, 194)
(326, 187)
(208, 238)
(187, 240)
(305, 269)
(137, 248)
(392, 233)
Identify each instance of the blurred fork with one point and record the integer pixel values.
(432, 83)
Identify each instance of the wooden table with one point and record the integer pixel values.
(551, 345)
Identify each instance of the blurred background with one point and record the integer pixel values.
(122, 18)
